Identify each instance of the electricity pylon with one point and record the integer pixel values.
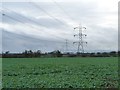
(80, 41)
(66, 45)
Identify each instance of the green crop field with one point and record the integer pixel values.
(96, 72)
(0, 73)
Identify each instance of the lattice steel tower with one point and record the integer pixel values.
(80, 41)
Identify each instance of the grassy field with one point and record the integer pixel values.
(60, 72)
(0, 73)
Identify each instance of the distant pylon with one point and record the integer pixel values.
(80, 41)
(66, 42)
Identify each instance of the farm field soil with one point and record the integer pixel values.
(90, 72)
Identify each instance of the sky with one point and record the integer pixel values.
(45, 25)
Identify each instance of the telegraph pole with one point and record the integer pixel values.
(80, 41)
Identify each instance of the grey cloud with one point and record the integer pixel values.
(13, 17)
(16, 42)
(99, 37)
(103, 39)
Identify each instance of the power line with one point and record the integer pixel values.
(80, 34)
(24, 17)
(60, 7)
(80, 39)
(28, 24)
(37, 6)
(3, 14)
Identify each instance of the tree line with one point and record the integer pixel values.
(57, 53)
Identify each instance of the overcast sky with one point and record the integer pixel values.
(46, 25)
